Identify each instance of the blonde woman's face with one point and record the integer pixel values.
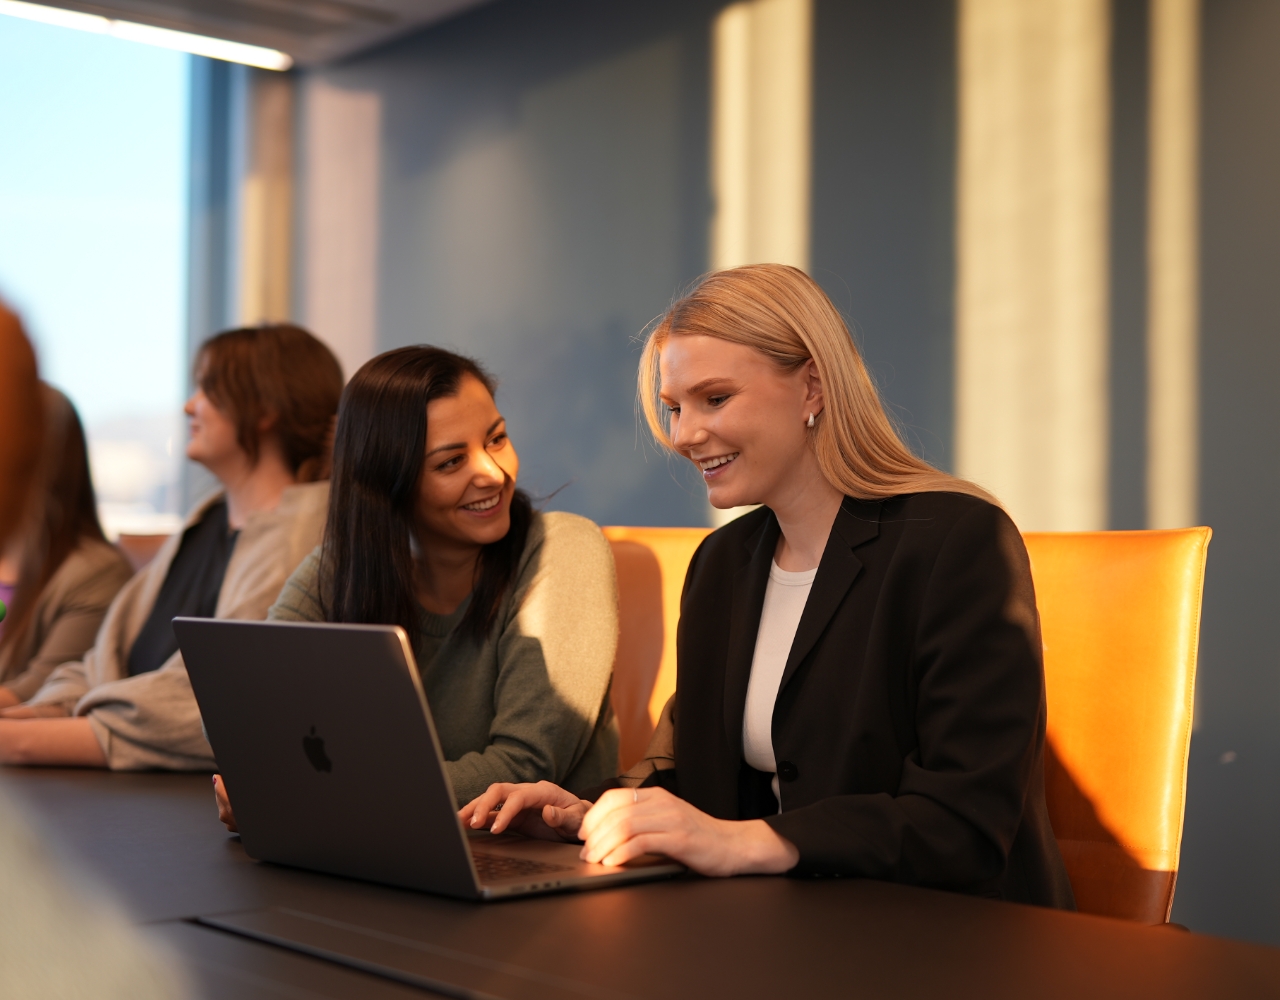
(469, 477)
(737, 417)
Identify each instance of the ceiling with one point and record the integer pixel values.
(311, 31)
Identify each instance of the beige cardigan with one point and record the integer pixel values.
(152, 720)
(67, 615)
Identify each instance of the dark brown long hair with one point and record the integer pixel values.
(275, 370)
(64, 512)
(378, 456)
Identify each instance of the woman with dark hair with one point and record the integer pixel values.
(512, 613)
(58, 575)
(260, 421)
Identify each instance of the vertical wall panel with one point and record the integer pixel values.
(212, 227)
(883, 213)
(266, 200)
(542, 192)
(1173, 418)
(760, 145)
(1130, 81)
(1031, 367)
(340, 204)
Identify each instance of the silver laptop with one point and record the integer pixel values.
(329, 752)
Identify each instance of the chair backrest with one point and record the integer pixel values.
(140, 549)
(1120, 622)
(651, 565)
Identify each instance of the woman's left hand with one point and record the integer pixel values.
(626, 823)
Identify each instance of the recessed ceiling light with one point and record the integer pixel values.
(165, 38)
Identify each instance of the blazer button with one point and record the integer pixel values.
(787, 771)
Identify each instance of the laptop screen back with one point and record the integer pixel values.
(327, 748)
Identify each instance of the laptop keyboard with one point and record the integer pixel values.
(495, 867)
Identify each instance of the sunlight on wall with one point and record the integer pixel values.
(93, 254)
(266, 200)
(760, 146)
(1173, 300)
(1032, 260)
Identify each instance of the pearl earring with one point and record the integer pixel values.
(811, 421)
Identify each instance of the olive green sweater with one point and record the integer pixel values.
(531, 701)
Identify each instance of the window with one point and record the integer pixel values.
(93, 247)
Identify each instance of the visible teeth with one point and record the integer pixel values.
(712, 463)
(483, 504)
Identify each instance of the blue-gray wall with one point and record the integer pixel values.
(1230, 881)
(545, 195)
(1128, 259)
(883, 218)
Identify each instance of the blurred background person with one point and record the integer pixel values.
(21, 421)
(58, 574)
(260, 421)
(56, 939)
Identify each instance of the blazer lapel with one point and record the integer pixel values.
(744, 623)
(857, 522)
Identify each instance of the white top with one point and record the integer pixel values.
(784, 601)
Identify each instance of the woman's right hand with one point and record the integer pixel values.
(541, 810)
(224, 804)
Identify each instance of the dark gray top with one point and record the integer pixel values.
(531, 701)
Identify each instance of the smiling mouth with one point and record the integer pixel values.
(482, 505)
(707, 464)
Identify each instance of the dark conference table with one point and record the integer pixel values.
(155, 839)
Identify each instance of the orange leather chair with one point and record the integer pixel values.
(140, 549)
(651, 565)
(1120, 621)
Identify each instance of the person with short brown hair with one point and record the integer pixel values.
(278, 375)
(260, 421)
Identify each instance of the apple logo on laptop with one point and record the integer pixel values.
(313, 747)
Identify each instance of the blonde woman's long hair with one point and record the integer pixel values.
(782, 313)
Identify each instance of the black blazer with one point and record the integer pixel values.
(910, 722)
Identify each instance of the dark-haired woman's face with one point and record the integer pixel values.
(469, 476)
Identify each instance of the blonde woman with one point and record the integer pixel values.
(860, 687)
